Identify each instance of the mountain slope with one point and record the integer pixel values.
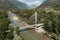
(5, 4)
(19, 4)
(12, 4)
(50, 3)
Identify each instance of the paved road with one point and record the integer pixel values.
(27, 35)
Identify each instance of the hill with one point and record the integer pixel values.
(19, 4)
(50, 3)
(12, 4)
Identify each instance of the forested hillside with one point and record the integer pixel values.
(50, 3)
(5, 5)
(12, 5)
(49, 16)
(6, 29)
